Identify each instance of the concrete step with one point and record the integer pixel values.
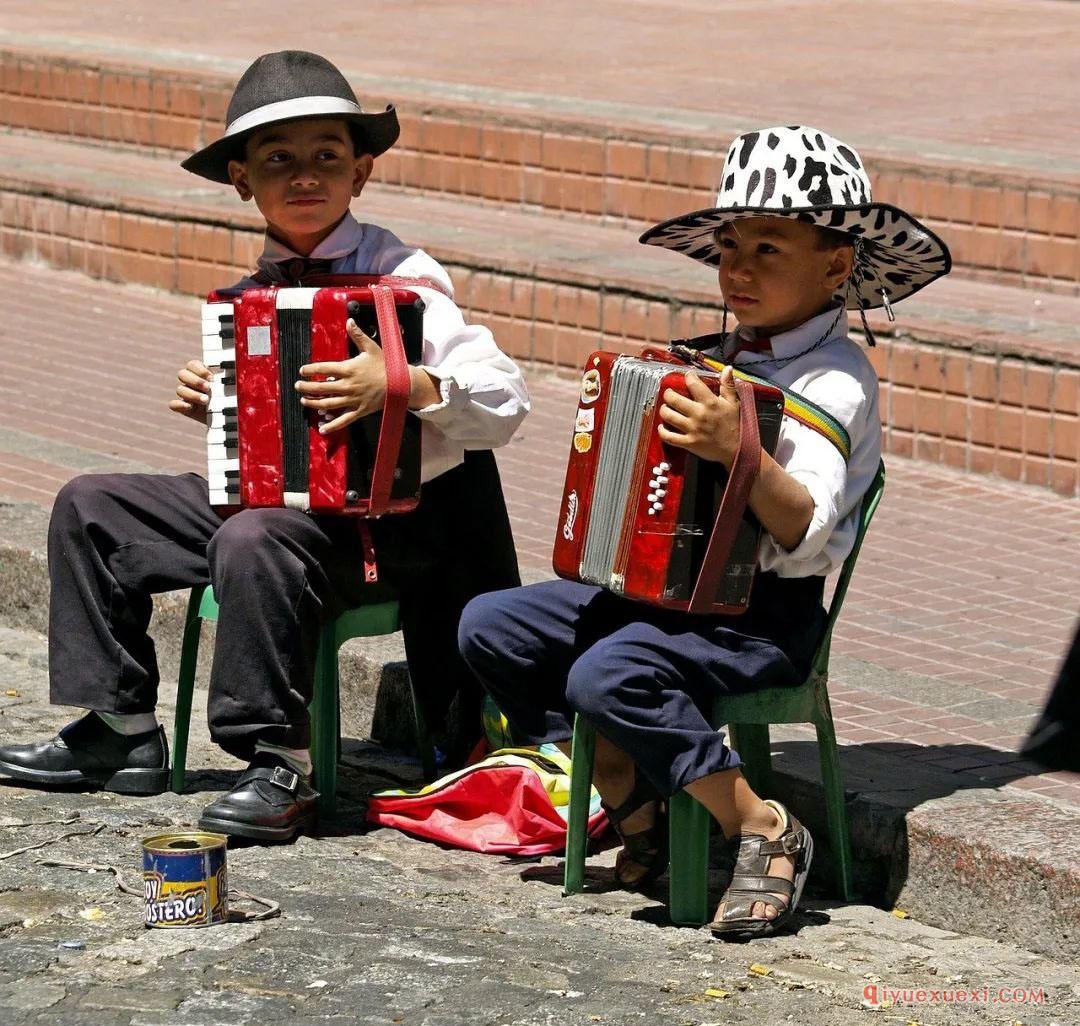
(975, 375)
(1004, 223)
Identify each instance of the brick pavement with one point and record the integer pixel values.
(896, 76)
(965, 592)
(977, 375)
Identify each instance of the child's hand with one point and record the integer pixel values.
(193, 391)
(354, 388)
(705, 424)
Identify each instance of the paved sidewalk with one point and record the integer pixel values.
(962, 605)
(389, 929)
(892, 77)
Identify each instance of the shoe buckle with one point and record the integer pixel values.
(791, 843)
(285, 778)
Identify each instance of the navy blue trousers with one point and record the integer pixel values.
(644, 676)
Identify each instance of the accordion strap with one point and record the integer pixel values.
(396, 404)
(744, 471)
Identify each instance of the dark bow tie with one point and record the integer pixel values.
(296, 270)
(751, 345)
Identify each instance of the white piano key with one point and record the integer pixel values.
(220, 497)
(224, 466)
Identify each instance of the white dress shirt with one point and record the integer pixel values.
(483, 395)
(839, 378)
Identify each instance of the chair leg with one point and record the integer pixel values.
(185, 687)
(839, 828)
(582, 756)
(324, 722)
(751, 741)
(689, 823)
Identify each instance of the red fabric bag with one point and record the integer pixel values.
(511, 803)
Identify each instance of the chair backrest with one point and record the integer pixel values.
(866, 513)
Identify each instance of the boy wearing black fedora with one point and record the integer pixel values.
(797, 241)
(298, 144)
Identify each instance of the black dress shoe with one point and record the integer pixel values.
(270, 802)
(90, 752)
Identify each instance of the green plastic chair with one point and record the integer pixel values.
(359, 622)
(748, 717)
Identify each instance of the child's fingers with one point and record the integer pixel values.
(680, 402)
(339, 422)
(194, 380)
(672, 437)
(192, 395)
(674, 419)
(334, 402)
(363, 342)
(727, 385)
(321, 389)
(198, 368)
(330, 370)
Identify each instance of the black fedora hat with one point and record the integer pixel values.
(288, 86)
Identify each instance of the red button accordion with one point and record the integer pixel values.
(264, 448)
(651, 521)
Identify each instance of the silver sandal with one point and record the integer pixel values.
(751, 883)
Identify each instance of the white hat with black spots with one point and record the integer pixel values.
(805, 174)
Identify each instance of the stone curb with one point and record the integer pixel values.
(937, 844)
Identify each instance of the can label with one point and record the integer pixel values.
(185, 880)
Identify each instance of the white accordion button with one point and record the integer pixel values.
(664, 468)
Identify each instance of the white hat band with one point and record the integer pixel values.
(284, 110)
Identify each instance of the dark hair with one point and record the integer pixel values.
(832, 238)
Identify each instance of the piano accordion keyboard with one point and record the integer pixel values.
(222, 436)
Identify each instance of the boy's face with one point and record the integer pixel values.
(302, 175)
(774, 274)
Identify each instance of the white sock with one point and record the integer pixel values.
(129, 723)
(298, 758)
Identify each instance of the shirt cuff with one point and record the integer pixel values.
(453, 396)
(822, 522)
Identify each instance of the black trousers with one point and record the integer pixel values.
(279, 575)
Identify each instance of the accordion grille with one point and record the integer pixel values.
(633, 387)
(294, 350)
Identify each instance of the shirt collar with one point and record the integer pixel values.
(790, 343)
(342, 241)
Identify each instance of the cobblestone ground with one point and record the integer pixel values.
(378, 928)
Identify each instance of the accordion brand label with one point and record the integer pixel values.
(258, 340)
(571, 516)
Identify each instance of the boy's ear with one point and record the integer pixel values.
(238, 177)
(365, 164)
(839, 267)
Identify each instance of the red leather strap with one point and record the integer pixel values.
(392, 280)
(744, 471)
(396, 403)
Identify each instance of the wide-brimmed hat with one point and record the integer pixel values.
(804, 174)
(289, 86)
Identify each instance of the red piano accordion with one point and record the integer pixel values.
(264, 448)
(651, 521)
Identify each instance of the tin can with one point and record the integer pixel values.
(185, 880)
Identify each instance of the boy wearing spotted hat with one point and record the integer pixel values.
(299, 145)
(797, 241)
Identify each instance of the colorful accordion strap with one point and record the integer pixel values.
(795, 406)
